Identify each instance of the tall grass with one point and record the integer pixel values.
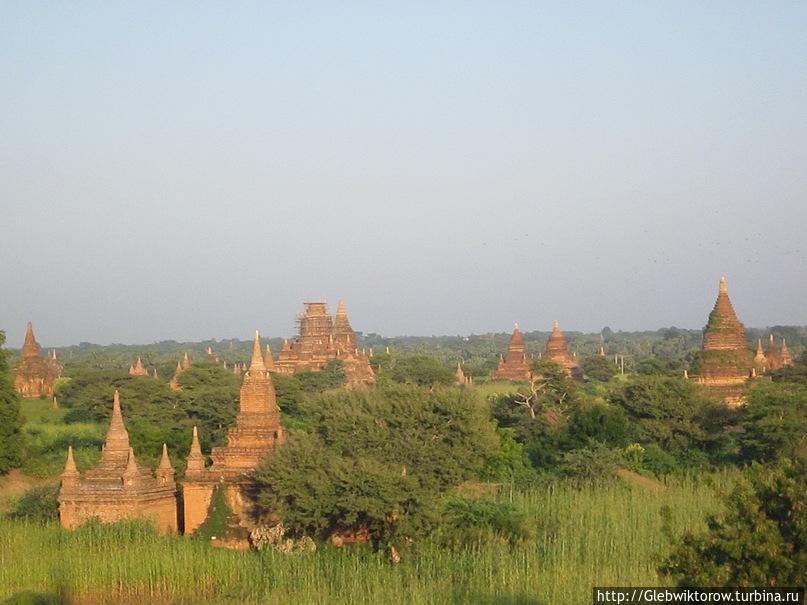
(606, 535)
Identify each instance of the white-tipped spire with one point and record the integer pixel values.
(257, 365)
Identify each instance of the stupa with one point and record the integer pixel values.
(726, 362)
(35, 376)
(256, 432)
(514, 365)
(777, 356)
(138, 369)
(118, 487)
(323, 338)
(557, 351)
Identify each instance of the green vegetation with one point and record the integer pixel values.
(609, 534)
(11, 437)
(376, 460)
(760, 539)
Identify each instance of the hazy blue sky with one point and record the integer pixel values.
(195, 170)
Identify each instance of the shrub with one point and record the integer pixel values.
(38, 504)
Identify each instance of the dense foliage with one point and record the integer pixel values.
(11, 435)
(376, 460)
(761, 539)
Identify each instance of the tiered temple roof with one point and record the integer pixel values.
(514, 366)
(323, 338)
(776, 356)
(256, 432)
(726, 361)
(35, 376)
(138, 369)
(118, 487)
(557, 350)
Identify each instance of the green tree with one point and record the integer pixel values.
(664, 411)
(377, 459)
(421, 370)
(598, 368)
(11, 435)
(761, 539)
(774, 422)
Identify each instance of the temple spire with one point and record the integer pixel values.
(268, 359)
(117, 438)
(257, 365)
(165, 461)
(70, 469)
(723, 288)
(30, 347)
(196, 460)
(130, 472)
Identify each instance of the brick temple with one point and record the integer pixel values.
(118, 487)
(256, 432)
(321, 339)
(557, 351)
(514, 365)
(138, 369)
(726, 362)
(775, 358)
(35, 376)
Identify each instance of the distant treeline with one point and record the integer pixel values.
(479, 352)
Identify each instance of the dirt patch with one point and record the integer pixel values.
(15, 484)
(640, 480)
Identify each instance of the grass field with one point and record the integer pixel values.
(605, 535)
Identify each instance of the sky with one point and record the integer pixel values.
(194, 170)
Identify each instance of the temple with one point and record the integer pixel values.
(118, 487)
(776, 357)
(514, 365)
(256, 432)
(557, 351)
(321, 339)
(35, 376)
(138, 369)
(726, 362)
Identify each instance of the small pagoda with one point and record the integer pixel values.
(34, 375)
(776, 357)
(321, 339)
(256, 432)
(118, 487)
(514, 366)
(726, 362)
(138, 369)
(557, 351)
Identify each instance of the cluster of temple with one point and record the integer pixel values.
(35, 375)
(323, 338)
(517, 366)
(726, 362)
(119, 488)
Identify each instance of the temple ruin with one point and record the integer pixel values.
(321, 339)
(35, 376)
(726, 362)
(256, 432)
(118, 487)
(138, 369)
(514, 366)
(557, 351)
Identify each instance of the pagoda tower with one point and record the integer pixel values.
(35, 376)
(118, 487)
(459, 375)
(138, 369)
(321, 339)
(557, 351)
(726, 362)
(256, 432)
(514, 366)
(778, 357)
